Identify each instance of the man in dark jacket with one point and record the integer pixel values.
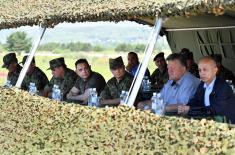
(213, 93)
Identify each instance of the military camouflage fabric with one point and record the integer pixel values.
(64, 84)
(194, 70)
(38, 77)
(158, 79)
(95, 80)
(13, 76)
(113, 88)
(226, 74)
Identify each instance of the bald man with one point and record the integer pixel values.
(213, 94)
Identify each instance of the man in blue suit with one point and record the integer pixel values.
(213, 93)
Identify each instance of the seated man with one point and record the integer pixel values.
(87, 79)
(133, 64)
(180, 87)
(121, 81)
(191, 65)
(213, 92)
(35, 75)
(160, 75)
(64, 77)
(223, 72)
(10, 62)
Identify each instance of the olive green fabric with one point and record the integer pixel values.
(8, 59)
(56, 63)
(38, 77)
(206, 42)
(95, 80)
(65, 84)
(114, 88)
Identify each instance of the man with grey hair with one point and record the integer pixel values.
(180, 87)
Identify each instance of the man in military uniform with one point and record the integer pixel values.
(10, 62)
(121, 81)
(160, 75)
(191, 65)
(34, 75)
(223, 72)
(62, 76)
(87, 79)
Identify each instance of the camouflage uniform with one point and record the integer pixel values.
(38, 77)
(158, 78)
(13, 76)
(95, 80)
(8, 59)
(113, 88)
(64, 84)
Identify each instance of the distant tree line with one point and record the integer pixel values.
(73, 46)
(19, 42)
(79, 46)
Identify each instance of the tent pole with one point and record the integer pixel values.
(140, 74)
(30, 57)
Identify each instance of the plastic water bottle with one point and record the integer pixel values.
(162, 106)
(8, 84)
(56, 93)
(93, 99)
(123, 97)
(145, 83)
(32, 88)
(158, 105)
(148, 86)
(154, 102)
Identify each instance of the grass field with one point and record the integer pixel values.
(97, 60)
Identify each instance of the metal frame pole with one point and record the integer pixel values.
(140, 74)
(30, 57)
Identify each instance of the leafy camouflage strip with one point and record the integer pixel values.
(15, 13)
(37, 125)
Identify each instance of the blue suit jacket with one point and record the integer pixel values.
(222, 99)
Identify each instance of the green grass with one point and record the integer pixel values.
(97, 60)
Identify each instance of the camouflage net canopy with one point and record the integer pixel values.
(36, 125)
(15, 13)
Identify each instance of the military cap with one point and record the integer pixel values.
(8, 59)
(159, 55)
(56, 63)
(25, 58)
(116, 63)
(186, 54)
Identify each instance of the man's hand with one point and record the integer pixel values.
(183, 110)
(142, 104)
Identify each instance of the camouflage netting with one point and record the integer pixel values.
(35, 125)
(15, 13)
